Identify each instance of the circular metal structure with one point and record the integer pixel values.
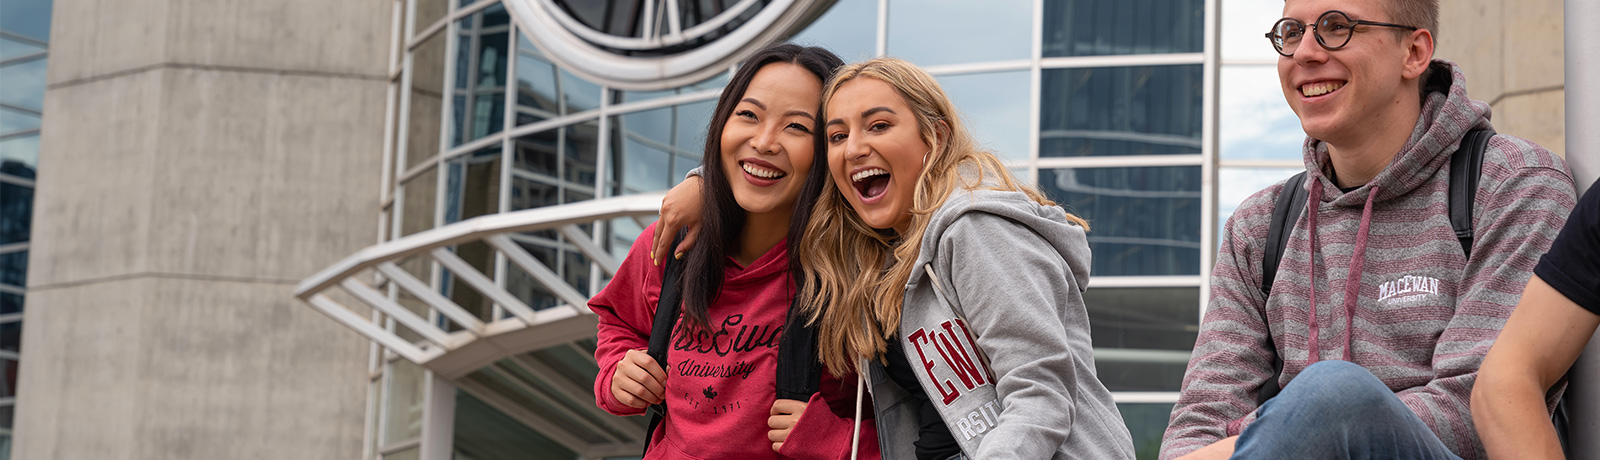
(657, 44)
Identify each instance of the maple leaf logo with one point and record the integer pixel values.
(709, 393)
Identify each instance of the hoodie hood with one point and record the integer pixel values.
(1050, 222)
(1447, 115)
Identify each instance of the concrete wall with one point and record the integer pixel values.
(1512, 53)
(200, 157)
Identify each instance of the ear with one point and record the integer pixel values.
(943, 134)
(1419, 53)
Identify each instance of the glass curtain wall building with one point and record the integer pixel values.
(24, 51)
(1107, 105)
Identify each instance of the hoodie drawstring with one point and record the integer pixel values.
(1352, 282)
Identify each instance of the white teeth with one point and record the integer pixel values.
(857, 177)
(1318, 89)
(760, 172)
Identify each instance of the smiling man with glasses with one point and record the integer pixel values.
(1378, 312)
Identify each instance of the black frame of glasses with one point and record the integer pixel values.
(1272, 36)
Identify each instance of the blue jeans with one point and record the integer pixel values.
(1338, 410)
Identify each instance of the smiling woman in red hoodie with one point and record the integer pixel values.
(718, 384)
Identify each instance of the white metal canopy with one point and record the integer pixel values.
(511, 360)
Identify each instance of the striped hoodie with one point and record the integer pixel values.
(1389, 285)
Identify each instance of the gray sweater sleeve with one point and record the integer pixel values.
(1014, 290)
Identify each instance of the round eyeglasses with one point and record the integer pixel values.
(1333, 30)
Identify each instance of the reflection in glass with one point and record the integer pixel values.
(1143, 221)
(12, 121)
(1099, 27)
(14, 268)
(28, 18)
(1243, 22)
(13, 48)
(481, 66)
(12, 303)
(1234, 185)
(652, 149)
(536, 87)
(24, 83)
(1146, 422)
(1142, 336)
(484, 433)
(578, 94)
(580, 149)
(1111, 111)
(689, 142)
(716, 82)
(8, 378)
(19, 152)
(404, 414)
(537, 153)
(426, 99)
(11, 337)
(16, 210)
(1254, 122)
(419, 194)
(995, 108)
(849, 28)
(920, 31)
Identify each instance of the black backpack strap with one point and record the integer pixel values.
(1285, 212)
(668, 309)
(1465, 167)
(1291, 202)
(799, 371)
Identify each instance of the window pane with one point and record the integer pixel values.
(427, 100)
(13, 121)
(12, 48)
(579, 94)
(920, 31)
(995, 108)
(12, 303)
(1254, 121)
(14, 268)
(641, 142)
(1142, 336)
(480, 105)
(689, 138)
(29, 18)
(536, 153)
(16, 210)
(1110, 111)
(405, 402)
(474, 186)
(24, 84)
(11, 337)
(849, 28)
(420, 195)
(1099, 27)
(1236, 184)
(8, 378)
(1243, 23)
(519, 283)
(20, 152)
(580, 149)
(536, 86)
(1146, 422)
(484, 433)
(1143, 221)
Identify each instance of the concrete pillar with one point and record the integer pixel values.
(1583, 96)
(200, 157)
(1512, 53)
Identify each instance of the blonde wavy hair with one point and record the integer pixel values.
(855, 301)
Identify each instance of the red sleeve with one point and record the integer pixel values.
(626, 309)
(825, 430)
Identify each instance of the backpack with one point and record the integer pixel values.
(1466, 164)
(799, 371)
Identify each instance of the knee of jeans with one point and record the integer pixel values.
(1338, 384)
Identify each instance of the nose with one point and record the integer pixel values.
(855, 148)
(1310, 51)
(765, 140)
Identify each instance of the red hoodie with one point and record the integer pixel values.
(720, 384)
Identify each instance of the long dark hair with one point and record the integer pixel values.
(721, 217)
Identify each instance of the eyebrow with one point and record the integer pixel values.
(864, 114)
(756, 102)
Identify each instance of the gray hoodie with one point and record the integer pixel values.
(1016, 379)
